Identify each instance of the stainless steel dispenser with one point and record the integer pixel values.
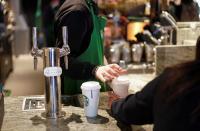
(52, 71)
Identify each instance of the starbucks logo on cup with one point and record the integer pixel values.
(86, 100)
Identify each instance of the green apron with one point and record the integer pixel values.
(94, 53)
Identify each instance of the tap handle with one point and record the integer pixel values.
(65, 45)
(66, 62)
(35, 61)
(65, 36)
(34, 38)
(34, 48)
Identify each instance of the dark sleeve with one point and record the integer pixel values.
(78, 70)
(77, 23)
(137, 108)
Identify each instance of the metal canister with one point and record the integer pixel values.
(149, 52)
(115, 53)
(137, 51)
(126, 52)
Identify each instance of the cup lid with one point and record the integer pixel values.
(121, 80)
(90, 85)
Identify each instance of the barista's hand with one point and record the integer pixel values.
(109, 72)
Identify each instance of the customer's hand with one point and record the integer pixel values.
(112, 97)
(109, 72)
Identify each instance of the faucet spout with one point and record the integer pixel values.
(65, 50)
(35, 52)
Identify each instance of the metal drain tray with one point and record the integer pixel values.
(33, 103)
(38, 103)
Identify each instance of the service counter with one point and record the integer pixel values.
(15, 119)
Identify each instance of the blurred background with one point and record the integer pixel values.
(134, 30)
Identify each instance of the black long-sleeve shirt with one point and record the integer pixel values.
(76, 16)
(147, 107)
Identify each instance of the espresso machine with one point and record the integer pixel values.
(52, 71)
(170, 26)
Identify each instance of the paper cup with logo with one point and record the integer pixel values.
(120, 86)
(91, 92)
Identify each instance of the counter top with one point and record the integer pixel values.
(17, 120)
(138, 81)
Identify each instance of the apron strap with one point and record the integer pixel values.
(90, 6)
(89, 2)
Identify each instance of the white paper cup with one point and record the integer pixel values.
(120, 86)
(90, 92)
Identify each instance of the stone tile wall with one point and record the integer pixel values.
(170, 55)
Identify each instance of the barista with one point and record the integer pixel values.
(86, 61)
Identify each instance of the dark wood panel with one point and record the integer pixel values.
(1, 109)
(6, 62)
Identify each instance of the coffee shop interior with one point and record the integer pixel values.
(142, 36)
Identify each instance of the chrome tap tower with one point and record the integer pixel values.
(52, 71)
